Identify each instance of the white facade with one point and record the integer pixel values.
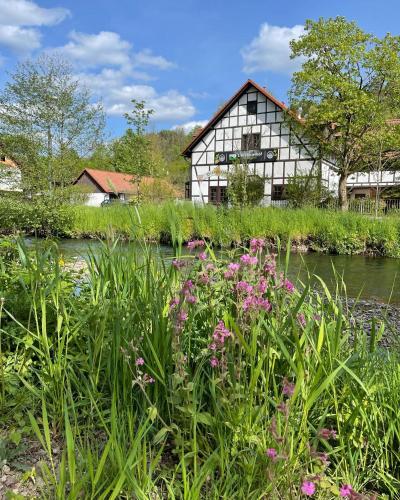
(10, 177)
(95, 199)
(282, 154)
(383, 178)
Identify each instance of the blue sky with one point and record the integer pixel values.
(183, 57)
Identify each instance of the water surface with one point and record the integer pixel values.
(375, 278)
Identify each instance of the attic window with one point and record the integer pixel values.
(252, 107)
(251, 142)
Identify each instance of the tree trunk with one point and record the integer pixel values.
(343, 200)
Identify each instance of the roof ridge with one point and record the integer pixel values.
(227, 105)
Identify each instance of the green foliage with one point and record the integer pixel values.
(128, 389)
(42, 215)
(45, 110)
(346, 91)
(244, 188)
(305, 189)
(320, 229)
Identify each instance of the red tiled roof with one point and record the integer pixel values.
(227, 105)
(113, 182)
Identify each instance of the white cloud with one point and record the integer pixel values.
(102, 49)
(27, 13)
(189, 126)
(108, 66)
(270, 50)
(19, 39)
(147, 58)
(18, 19)
(171, 105)
(107, 48)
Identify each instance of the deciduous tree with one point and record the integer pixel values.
(348, 87)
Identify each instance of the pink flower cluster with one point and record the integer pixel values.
(248, 260)
(288, 285)
(270, 265)
(252, 296)
(195, 244)
(232, 270)
(256, 303)
(187, 292)
(220, 335)
(256, 244)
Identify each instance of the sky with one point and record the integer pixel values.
(184, 58)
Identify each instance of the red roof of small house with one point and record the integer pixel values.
(112, 182)
(227, 105)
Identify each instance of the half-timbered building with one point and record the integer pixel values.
(250, 128)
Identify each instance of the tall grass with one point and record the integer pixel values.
(320, 230)
(147, 407)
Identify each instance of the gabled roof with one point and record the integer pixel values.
(227, 105)
(110, 182)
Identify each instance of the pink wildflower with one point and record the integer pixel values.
(202, 256)
(322, 457)
(346, 490)
(210, 267)
(182, 316)
(214, 362)
(271, 453)
(301, 319)
(308, 488)
(288, 285)
(204, 279)
(195, 243)
(139, 362)
(262, 285)
(191, 299)
(188, 285)
(327, 433)
(234, 266)
(270, 265)
(147, 379)
(288, 387)
(256, 244)
(173, 303)
(248, 260)
(243, 286)
(221, 333)
(213, 346)
(178, 264)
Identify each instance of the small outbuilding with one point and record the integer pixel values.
(102, 185)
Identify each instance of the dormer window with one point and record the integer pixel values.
(252, 108)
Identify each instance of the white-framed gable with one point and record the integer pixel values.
(225, 135)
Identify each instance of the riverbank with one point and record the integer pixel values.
(308, 229)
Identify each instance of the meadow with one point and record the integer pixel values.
(189, 379)
(308, 228)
